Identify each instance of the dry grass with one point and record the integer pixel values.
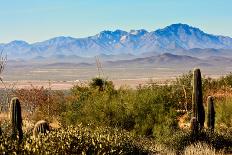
(183, 121)
(3, 116)
(201, 149)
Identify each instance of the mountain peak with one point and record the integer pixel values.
(116, 32)
(18, 42)
(180, 25)
(57, 40)
(61, 38)
(106, 34)
(177, 28)
(138, 32)
(119, 32)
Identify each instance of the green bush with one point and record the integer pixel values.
(180, 140)
(100, 83)
(147, 110)
(224, 114)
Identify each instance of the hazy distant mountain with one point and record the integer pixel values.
(173, 61)
(165, 59)
(175, 39)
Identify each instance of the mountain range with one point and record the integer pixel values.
(174, 39)
(162, 64)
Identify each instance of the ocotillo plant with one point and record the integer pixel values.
(197, 99)
(211, 114)
(41, 127)
(16, 118)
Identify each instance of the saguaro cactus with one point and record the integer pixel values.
(0, 131)
(41, 127)
(16, 118)
(197, 99)
(194, 125)
(211, 114)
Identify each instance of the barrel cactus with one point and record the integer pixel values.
(16, 119)
(211, 114)
(197, 99)
(41, 127)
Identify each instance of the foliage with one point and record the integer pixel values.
(226, 81)
(40, 103)
(152, 110)
(224, 114)
(183, 86)
(100, 83)
(219, 141)
(149, 110)
(75, 140)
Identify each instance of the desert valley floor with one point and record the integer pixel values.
(65, 78)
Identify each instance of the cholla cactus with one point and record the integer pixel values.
(197, 99)
(211, 114)
(41, 127)
(16, 118)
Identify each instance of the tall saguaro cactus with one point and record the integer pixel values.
(211, 114)
(16, 118)
(197, 99)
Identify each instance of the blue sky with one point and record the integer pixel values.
(38, 20)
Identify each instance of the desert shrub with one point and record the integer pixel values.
(219, 88)
(210, 87)
(97, 82)
(147, 110)
(154, 110)
(223, 114)
(89, 106)
(40, 103)
(200, 149)
(183, 86)
(180, 140)
(226, 81)
(75, 140)
(183, 89)
(100, 83)
(221, 85)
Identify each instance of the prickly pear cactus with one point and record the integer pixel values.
(41, 127)
(16, 118)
